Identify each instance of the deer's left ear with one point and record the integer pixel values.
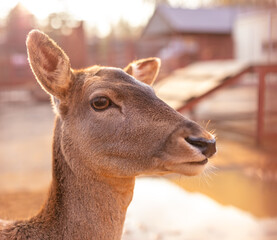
(50, 64)
(144, 70)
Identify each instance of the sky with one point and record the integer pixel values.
(98, 13)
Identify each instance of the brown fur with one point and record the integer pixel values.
(98, 154)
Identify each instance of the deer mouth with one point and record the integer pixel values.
(203, 162)
(186, 168)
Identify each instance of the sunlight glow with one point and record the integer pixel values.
(100, 14)
(41, 9)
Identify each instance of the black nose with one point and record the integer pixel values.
(206, 146)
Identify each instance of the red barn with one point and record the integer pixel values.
(181, 36)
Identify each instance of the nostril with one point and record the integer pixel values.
(198, 142)
(206, 146)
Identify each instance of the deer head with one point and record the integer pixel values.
(111, 122)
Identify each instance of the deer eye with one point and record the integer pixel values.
(100, 103)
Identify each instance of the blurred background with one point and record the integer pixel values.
(219, 67)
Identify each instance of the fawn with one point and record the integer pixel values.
(110, 127)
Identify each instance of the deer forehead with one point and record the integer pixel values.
(114, 81)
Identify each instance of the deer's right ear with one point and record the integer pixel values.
(49, 64)
(144, 70)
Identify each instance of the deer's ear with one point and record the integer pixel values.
(49, 64)
(144, 70)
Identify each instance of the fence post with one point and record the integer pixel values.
(261, 106)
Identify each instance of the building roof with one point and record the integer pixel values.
(167, 20)
(188, 84)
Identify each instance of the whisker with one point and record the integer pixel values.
(207, 124)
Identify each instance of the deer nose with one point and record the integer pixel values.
(206, 146)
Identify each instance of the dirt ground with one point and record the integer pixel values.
(242, 187)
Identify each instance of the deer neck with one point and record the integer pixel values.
(80, 209)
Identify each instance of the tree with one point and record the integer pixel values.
(18, 23)
(61, 22)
